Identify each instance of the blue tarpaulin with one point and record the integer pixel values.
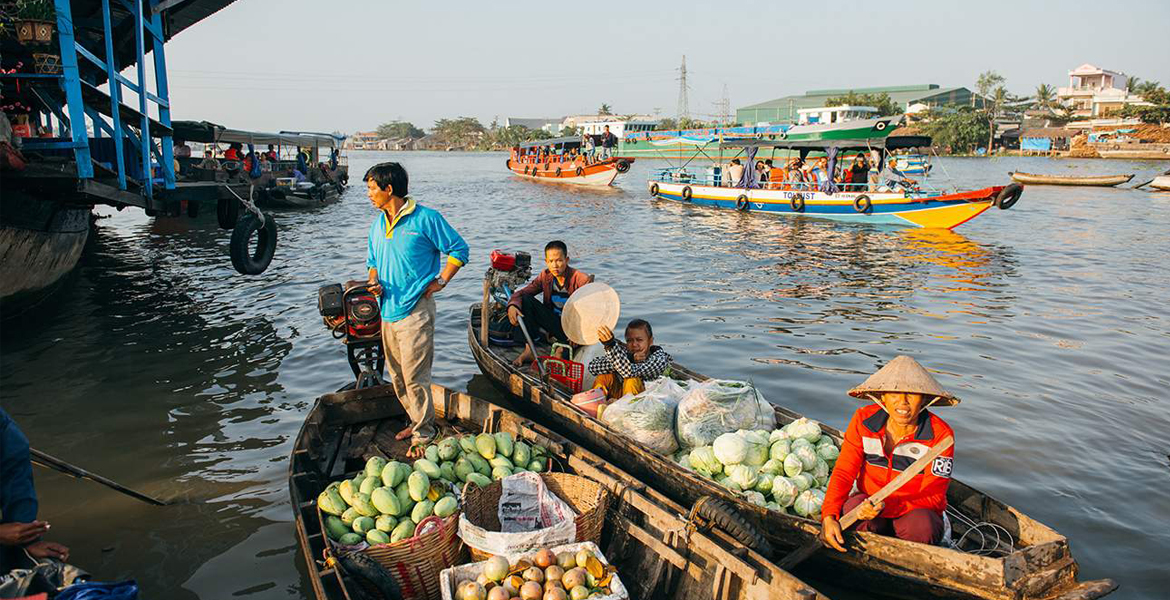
(1040, 144)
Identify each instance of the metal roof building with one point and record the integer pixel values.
(783, 110)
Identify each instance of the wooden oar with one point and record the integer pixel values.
(800, 554)
(50, 462)
(532, 347)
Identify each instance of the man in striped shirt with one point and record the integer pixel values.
(624, 369)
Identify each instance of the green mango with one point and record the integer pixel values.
(427, 467)
(361, 501)
(479, 479)
(405, 502)
(374, 466)
(486, 445)
(386, 502)
(363, 524)
(522, 453)
(330, 502)
(404, 530)
(431, 453)
(481, 466)
(386, 523)
(350, 539)
(446, 506)
(419, 485)
(349, 515)
(448, 449)
(463, 467)
(346, 491)
(537, 465)
(504, 442)
(335, 528)
(538, 451)
(377, 536)
(422, 510)
(467, 443)
(501, 472)
(501, 461)
(369, 484)
(516, 470)
(447, 471)
(392, 475)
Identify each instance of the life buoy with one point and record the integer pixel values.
(654, 189)
(580, 171)
(759, 136)
(249, 262)
(558, 171)
(880, 126)
(1008, 196)
(622, 166)
(686, 193)
(227, 212)
(862, 204)
(797, 202)
(741, 203)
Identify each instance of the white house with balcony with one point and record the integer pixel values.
(1093, 91)
(619, 126)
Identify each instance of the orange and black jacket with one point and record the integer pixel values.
(863, 460)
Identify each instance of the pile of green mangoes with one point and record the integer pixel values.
(386, 501)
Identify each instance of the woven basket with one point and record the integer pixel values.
(588, 499)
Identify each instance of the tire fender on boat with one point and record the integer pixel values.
(862, 204)
(622, 166)
(580, 171)
(253, 263)
(654, 189)
(722, 515)
(227, 211)
(741, 203)
(508, 163)
(558, 171)
(1008, 196)
(686, 193)
(797, 202)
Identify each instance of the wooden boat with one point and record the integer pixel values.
(559, 161)
(1161, 182)
(1037, 565)
(645, 535)
(1099, 180)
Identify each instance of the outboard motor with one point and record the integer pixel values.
(354, 315)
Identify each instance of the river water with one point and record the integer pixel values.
(161, 368)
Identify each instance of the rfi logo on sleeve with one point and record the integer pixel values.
(942, 466)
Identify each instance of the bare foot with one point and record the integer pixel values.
(524, 357)
(404, 434)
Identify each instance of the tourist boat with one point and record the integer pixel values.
(560, 160)
(1034, 562)
(903, 204)
(648, 537)
(1091, 180)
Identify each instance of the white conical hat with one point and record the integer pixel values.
(904, 374)
(590, 307)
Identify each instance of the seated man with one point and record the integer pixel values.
(556, 283)
(625, 369)
(19, 527)
(209, 161)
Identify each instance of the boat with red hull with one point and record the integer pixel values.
(561, 160)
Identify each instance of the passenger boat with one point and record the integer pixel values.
(903, 204)
(561, 160)
(1093, 180)
(1034, 563)
(646, 535)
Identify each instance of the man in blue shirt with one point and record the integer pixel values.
(405, 242)
(19, 527)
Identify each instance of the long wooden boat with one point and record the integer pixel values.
(646, 535)
(559, 161)
(1095, 180)
(1037, 565)
(1161, 182)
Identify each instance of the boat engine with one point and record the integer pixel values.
(353, 314)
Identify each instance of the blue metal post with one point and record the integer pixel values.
(115, 94)
(72, 82)
(164, 98)
(139, 33)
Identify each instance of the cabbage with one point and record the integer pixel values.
(773, 467)
(784, 491)
(828, 453)
(795, 443)
(714, 407)
(808, 504)
(774, 506)
(755, 498)
(730, 449)
(704, 462)
(779, 449)
(805, 428)
(757, 453)
(731, 485)
(743, 475)
(777, 435)
(764, 484)
(820, 472)
(808, 457)
(792, 465)
(826, 440)
(804, 481)
(685, 461)
(754, 437)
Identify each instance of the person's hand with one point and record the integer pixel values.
(641, 356)
(43, 549)
(19, 534)
(374, 287)
(831, 534)
(869, 510)
(432, 287)
(514, 315)
(604, 334)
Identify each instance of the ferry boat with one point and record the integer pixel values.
(561, 160)
(903, 202)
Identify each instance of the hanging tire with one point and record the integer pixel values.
(253, 262)
(686, 193)
(525, 169)
(580, 171)
(654, 189)
(227, 211)
(722, 515)
(622, 166)
(862, 204)
(796, 202)
(741, 203)
(193, 208)
(558, 171)
(1008, 196)
(508, 163)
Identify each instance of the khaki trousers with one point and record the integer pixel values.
(410, 352)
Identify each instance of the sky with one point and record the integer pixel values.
(349, 65)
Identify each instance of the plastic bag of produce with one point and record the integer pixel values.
(530, 516)
(648, 417)
(717, 406)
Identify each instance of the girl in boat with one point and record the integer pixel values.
(882, 440)
(626, 369)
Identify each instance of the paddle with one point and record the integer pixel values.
(44, 460)
(531, 347)
(800, 554)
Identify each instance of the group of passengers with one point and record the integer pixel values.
(853, 174)
(234, 158)
(593, 148)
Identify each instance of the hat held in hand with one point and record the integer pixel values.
(590, 307)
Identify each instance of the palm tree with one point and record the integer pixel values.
(1131, 85)
(604, 110)
(1045, 96)
(1146, 88)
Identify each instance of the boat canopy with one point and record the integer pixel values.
(572, 141)
(210, 133)
(888, 143)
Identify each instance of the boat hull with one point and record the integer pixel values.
(1103, 181)
(1161, 182)
(945, 212)
(596, 175)
(41, 242)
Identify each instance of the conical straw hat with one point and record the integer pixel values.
(904, 374)
(590, 307)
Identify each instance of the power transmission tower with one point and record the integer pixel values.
(684, 108)
(723, 108)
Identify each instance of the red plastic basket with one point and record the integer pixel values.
(569, 373)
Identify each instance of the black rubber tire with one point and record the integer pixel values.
(344, 179)
(654, 189)
(797, 202)
(622, 165)
(741, 203)
(580, 171)
(862, 204)
(361, 566)
(228, 212)
(1008, 196)
(558, 171)
(245, 261)
(687, 193)
(525, 169)
(723, 516)
(193, 208)
(508, 163)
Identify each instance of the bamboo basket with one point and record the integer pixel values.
(587, 498)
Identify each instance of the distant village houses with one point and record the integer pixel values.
(1096, 92)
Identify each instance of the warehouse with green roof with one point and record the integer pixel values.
(783, 110)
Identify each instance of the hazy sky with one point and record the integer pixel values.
(349, 65)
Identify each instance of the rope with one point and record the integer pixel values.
(248, 204)
(993, 539)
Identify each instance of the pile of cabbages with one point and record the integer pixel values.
(786, 469)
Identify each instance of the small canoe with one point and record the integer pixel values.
(1161, 182)
(1099, 180)
(1034, 563)
(645, 534)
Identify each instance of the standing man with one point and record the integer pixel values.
(608, 142)
(405, 242)
(19, 528)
